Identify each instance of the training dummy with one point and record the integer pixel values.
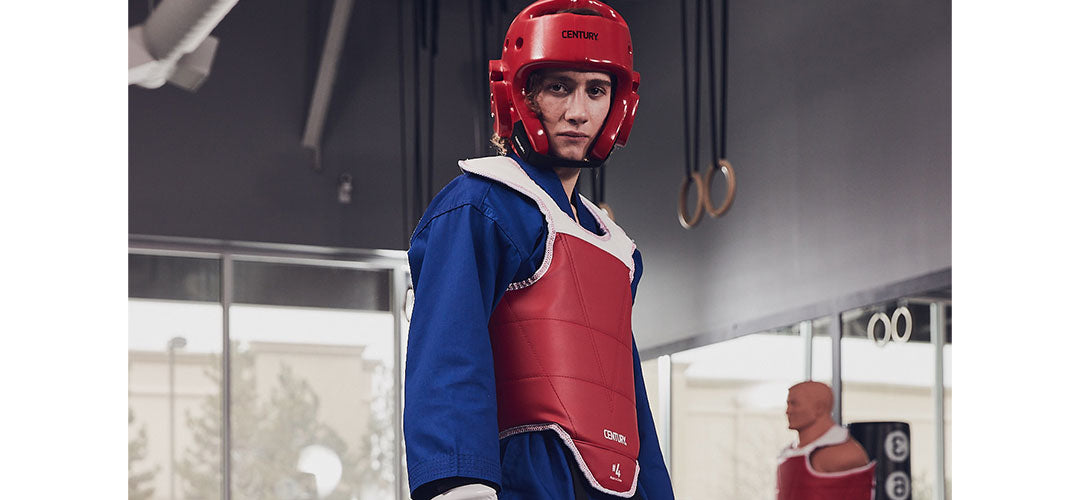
(825, 463)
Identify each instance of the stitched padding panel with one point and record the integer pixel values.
(562, 349)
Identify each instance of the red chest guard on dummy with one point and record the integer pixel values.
(562, 341)
(796, 480)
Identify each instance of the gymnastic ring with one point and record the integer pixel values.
(884, 320)
(700, 183)
(906, 313)
(728, 170)
(607, 209)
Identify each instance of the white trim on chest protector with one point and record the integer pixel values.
(506, 171)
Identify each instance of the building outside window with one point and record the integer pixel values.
(312, 407)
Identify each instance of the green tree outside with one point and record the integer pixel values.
(268, 435)
(139, 479)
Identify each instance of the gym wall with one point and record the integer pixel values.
(839, 130)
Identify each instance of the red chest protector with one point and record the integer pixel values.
(562, 341)
(796, 480)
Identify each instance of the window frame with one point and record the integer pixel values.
(229, 252)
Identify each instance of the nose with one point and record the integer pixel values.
(576, 112)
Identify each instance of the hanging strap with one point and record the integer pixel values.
(691, 143)
(722, 164)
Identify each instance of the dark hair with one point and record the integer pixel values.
(532, 86)
(581, 11)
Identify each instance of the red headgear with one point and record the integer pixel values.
(540, 38)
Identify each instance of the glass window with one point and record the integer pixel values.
(821, 349)
(946, 359)
(405, 317)
(312, 372)
(651, 376)
(311, 378)
(174, 377)
(887, 362)
(303, 285)
(163, 277)
(656, 373)
(728, 420)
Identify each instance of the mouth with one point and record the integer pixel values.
(572, 135)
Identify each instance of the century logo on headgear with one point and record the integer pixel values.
(588, 35)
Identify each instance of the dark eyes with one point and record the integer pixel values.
(561, 89)
(557, 88)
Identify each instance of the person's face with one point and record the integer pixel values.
(572, 106)
(800, 410)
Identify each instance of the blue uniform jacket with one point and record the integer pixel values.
(476, 237)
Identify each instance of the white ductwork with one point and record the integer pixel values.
(324, 81)
(174, 44)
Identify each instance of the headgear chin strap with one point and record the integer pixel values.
(542, 37)
(524, 149)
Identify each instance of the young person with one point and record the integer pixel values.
(522, 376)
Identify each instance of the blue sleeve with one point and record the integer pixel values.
(638, 271)
(654, 481)
(461, 262)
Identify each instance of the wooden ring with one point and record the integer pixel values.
(683, 190)
(728, 170)
(607, 209)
